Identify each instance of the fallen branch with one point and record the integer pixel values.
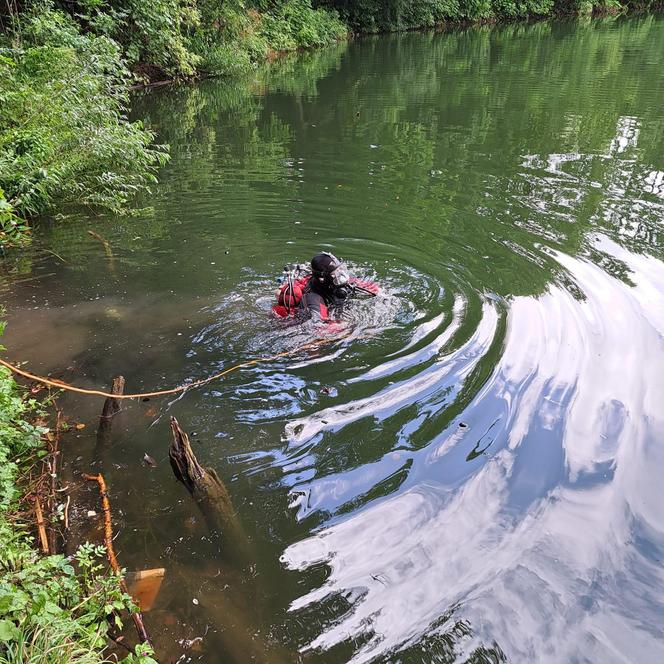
(110, 551)
(40, 527)
(108, 250)
(61, 385)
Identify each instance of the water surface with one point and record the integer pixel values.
(473, 472)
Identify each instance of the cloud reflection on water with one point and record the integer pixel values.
(550, 541)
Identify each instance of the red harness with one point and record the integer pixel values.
(290, 296)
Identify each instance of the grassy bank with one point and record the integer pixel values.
(53, 610)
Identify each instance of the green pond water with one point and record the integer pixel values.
(472, 472)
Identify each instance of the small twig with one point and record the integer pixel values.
(40, 526)
(67, 512)
(110, 551)
(48, 251)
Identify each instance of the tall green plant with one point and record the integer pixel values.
(64, 135)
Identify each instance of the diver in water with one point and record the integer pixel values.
(318, 294)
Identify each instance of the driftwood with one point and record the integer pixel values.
(210, 494)
(110, 551)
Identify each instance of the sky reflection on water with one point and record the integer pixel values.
(550, 542)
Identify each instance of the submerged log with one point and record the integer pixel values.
(240, 639)
(210, 494)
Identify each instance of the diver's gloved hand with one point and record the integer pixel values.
(331, 328)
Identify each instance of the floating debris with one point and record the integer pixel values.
(149, 461)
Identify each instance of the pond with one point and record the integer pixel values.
(472, 471)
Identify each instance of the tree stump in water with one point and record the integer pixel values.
(210, 494)
(241, 637)
(112, 406)
(111, 409)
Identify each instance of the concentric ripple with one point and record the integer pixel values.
(553, 474)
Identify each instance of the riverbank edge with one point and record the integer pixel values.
(48, 602)
(42, 173)
(592, 11)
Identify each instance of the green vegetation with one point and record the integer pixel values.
(393, 15)
(66, 67)
(65, 72)
(64, 136)
(53, 610)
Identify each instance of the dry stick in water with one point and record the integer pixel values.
(53, 470)
(108, 250)
(40, 527)
(67, 512)
(317, 343)
(110, 551)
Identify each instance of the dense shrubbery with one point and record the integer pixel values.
(65, 71)
(64, 136)
(53, 610)
(230, 39)
(390, 15)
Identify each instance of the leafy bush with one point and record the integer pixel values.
(297, 24)
(231, 40)
(53, 610)
(223, 59)
(512, 9)
(13, 230)
(154, 32)
(64, 135)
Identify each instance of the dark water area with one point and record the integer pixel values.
(473, 472)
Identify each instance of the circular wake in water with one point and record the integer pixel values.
(546, 473)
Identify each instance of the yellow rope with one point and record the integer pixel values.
(181, 388)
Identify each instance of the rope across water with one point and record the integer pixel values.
(51, 382)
